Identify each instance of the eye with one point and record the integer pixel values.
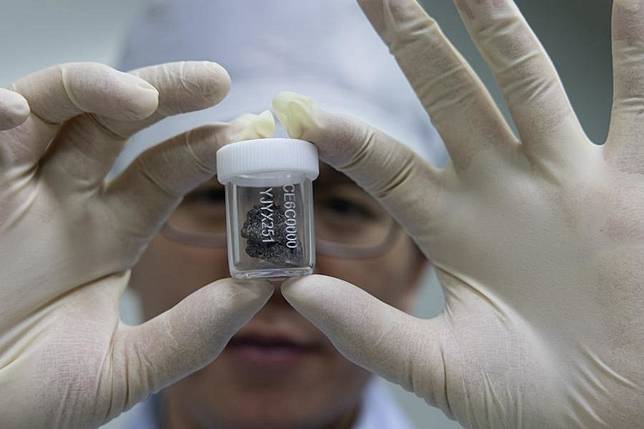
(347, 208)
(206, 196)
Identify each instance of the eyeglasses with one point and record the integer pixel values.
(348, 222)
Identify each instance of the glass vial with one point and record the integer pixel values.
(269, 206)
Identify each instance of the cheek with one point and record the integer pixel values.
(168, 272)
(387, 277)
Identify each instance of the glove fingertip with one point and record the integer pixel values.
(100, 89)
(250, 126)
(14, 109)
(326, 301)
(303, 289)
(295, 112)
(221, 81)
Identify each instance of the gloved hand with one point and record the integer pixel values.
(537, 239)
(68, 239)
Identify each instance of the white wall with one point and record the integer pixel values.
(38, 33)
(576, 34)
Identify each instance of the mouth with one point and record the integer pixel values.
(268, 351)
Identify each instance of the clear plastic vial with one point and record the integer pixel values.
(269, 206)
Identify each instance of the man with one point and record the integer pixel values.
(537, 237)
(279, 371)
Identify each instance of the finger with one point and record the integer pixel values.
(405, 184)
(183, 87)
(59, 93)
(182, 340)
(528, 79)
(145, 194)
(624, 141)
(88, 145)
(14, 109)
(459, 105)
(398, 347)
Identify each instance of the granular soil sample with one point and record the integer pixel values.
(275, 252)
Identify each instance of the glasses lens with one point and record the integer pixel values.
(345, 216)
(202, 212)
(348, 216)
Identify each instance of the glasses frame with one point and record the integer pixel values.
(323, 247)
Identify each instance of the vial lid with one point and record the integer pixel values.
(272, 155)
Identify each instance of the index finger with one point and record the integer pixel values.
(61, 92)
(526, 75)
(458, 103)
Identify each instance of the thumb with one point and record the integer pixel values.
(182, 340)
(376, 336)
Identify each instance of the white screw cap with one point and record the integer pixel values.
(271, 155)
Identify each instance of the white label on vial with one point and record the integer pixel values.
(290, 213)
(266, 210)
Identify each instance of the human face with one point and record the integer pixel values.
(278, 371)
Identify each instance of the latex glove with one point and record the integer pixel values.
(538, 240)
(68, 239)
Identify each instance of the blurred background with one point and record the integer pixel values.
(38, 33)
